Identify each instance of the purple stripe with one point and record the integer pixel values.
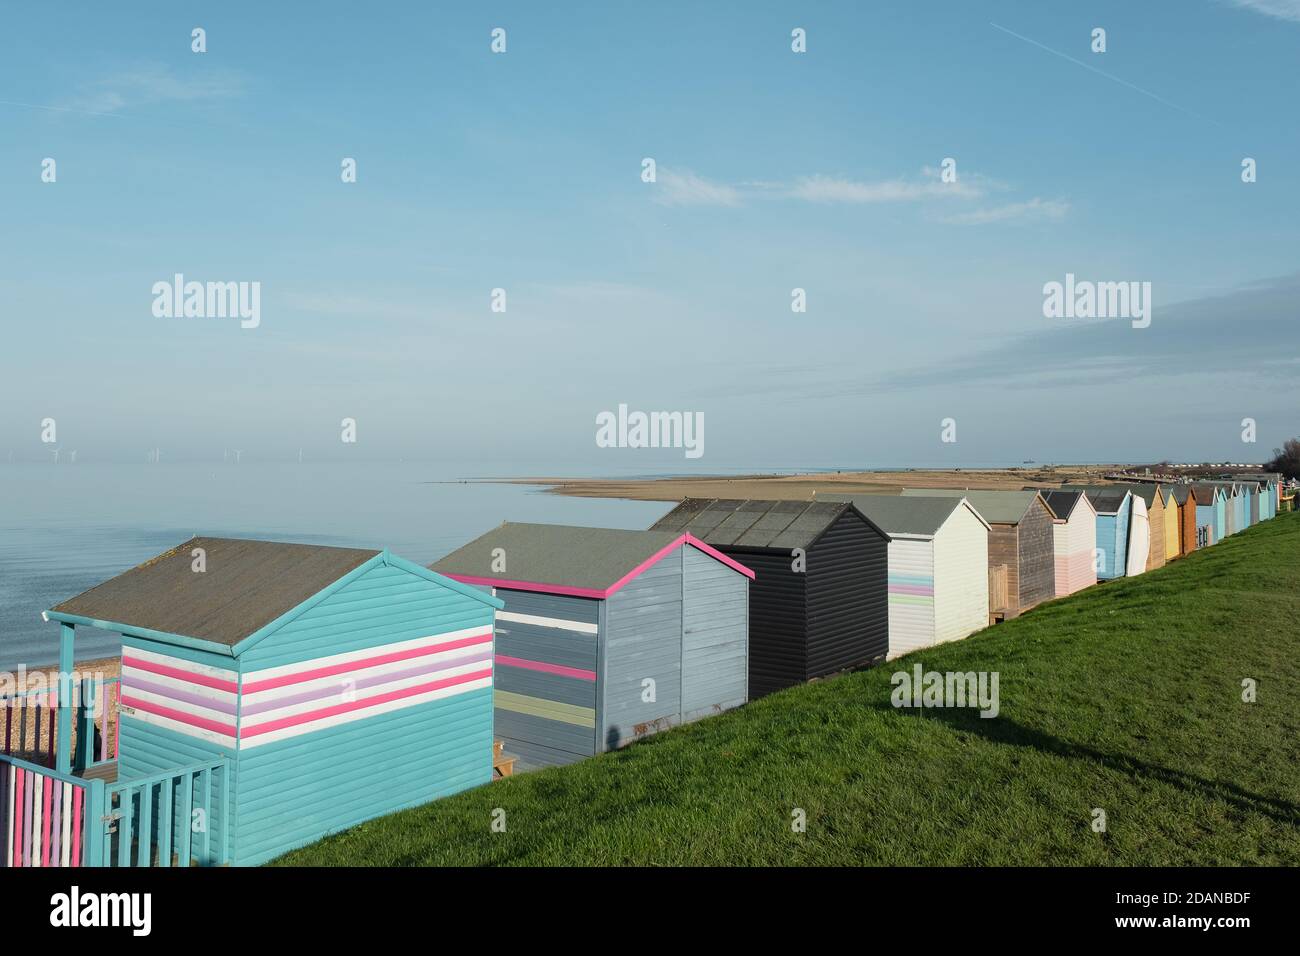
(171, 693)
(332, 689)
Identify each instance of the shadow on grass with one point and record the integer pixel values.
(1002, 730)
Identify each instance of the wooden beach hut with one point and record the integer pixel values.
(1114, 506)
(606, 636)
(819, 602)
(1172, 518)
(938, 567)
(290, 691)
(1185, 497)
(1074, 536)
(1021, 541)
(1139, 538)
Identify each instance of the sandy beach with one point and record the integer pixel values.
(810, 485)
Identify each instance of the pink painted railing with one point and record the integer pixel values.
(43, 816)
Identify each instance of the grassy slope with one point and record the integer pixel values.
(1125, 697)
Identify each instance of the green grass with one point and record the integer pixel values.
(1126, 697)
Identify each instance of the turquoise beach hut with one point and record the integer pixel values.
(286, 691)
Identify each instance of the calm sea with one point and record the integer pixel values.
(66, 528)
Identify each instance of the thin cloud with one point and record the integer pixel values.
(152, 85)
(684, 188)
(829, 189)
(1282, 9)
(1032, 210)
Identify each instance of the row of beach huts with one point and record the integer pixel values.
(295, 690)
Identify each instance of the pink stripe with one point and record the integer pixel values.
(270, 683)
(324, 712)
(19, 790)
(546, 668)
(213, 725)
(714, 552)
(597, 592)
(75, 857)
(179, 674)
(911, 589)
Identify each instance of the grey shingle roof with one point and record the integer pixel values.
(589, 559)
(1107, 499)
(1062, 501)
(246, 585)
(729, 522)
(997, 507)
(896, 514)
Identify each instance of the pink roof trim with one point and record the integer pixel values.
(597, 593)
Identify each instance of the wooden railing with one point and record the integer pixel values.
(46, 818)
(30, 722)
(172, 818)
(177, 817)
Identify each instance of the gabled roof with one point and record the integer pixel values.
(782, 525)
(1205, 491)
(1107, 499)
(565, 559)
(914, 517)
(244, 586)
(1181, 491)
(996, 507)
(1063, 501)
(1146, 490)
(247, 588)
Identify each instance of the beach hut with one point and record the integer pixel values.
(1172, 518)
(1114, 506)
(819, 602)
(1254, 492)
(1074, 536)
(1211, 510)
(606, 636)
(312, 688)
(1185, 498)
(938, 567)
(1021, 540)
(1146, 522)
(1139, 539)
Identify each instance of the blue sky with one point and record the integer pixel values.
(776, 170)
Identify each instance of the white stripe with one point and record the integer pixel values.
(66, 845)
(343, 697)
(182, 705)
(132, 674)
(211, 736)
(557, 622)
(38, 797)
(350, 656)
(181, 664)
(355, 715)
(375, 670)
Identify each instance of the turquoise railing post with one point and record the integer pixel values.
(86, 725)
(63, 752)
(225, 813)
(93, 822)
